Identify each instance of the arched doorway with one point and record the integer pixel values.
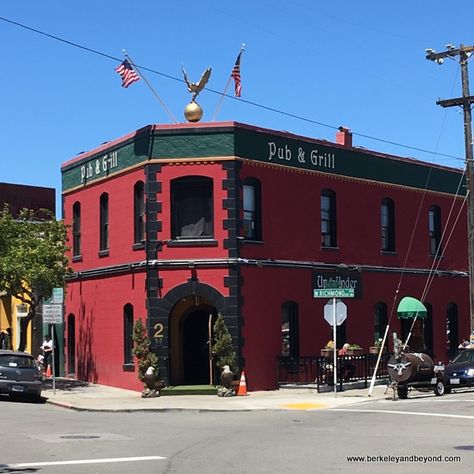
(191, 326)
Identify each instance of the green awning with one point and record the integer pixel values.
(410, 308)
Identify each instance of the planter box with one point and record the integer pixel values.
(354, 352)
(327, 352)
(374, 350)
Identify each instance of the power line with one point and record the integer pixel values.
(248, 102)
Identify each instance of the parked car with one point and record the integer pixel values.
(460, 371)
(20, 374)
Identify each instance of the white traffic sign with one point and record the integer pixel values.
(52, 313)
(341, 312)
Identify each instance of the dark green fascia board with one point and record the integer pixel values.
(260, 145)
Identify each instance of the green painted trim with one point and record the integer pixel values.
(314, 156)
(164, 146)
(255, 145)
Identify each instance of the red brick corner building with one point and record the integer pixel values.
(174, 224)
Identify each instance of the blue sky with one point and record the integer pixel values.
(357, 64)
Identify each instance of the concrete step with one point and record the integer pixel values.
(189, 390)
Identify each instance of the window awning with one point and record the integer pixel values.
(411, 308)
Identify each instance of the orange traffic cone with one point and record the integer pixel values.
(48, 371)
(242, 385)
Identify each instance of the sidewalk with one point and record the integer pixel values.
(81, 396)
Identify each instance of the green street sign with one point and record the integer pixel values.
(334, 293)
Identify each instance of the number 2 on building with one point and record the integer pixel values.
(159, 328)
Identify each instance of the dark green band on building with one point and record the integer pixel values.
(261, 146)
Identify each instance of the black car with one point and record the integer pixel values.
(460, 371)
(20, 375)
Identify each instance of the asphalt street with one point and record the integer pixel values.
(422, 434)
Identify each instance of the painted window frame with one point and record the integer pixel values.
(387, 225)
(452, 329)
(128, 334)
(252, 209)
(76, 230)
(201, 190)
(434, 229)
(428, 334)
(139, 213)
(104, 222)
(290, 329)
(380, 320)
(328, 219)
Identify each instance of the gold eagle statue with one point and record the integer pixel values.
(196, 87)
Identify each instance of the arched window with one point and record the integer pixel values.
(104, 222)
(387, 218)
(252, 209)
(341, 334)
(328, 219)
(434, 223)
(71, 344)
(76, 229)
(192, 208)
(380, 320)
(452, 329)
(138, 213)
(128, 334)
(289, 329)
(428, 329)
(405, 329)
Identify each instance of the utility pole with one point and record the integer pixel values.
(463, 52)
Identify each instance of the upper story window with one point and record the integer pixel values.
(387, 217)
(104, 222)
(328, 219)
(252, 210)
(192, 208)
(76, 229)
(138, 212)
(434, 223)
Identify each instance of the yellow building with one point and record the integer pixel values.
(12, 311)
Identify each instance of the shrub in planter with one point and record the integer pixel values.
(147, 360)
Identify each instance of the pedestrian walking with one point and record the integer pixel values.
(47, 348)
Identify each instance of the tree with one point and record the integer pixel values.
(222, 346)
(141, 349)
(32, 259)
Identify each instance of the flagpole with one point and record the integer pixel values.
(149, 86)
(218, 108)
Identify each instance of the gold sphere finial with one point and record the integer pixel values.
(193, 112)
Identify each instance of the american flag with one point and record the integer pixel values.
(127, 73)
(236, 76)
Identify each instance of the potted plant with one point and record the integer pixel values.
(355, 349)
(328, 349)
(147, 361)
(223, 349)
(375, 349)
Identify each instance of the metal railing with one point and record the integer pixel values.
(319, 370)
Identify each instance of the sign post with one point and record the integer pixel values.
(335, 285)
(53, 314)
(335, 313)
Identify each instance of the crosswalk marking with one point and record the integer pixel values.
(85, 461)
